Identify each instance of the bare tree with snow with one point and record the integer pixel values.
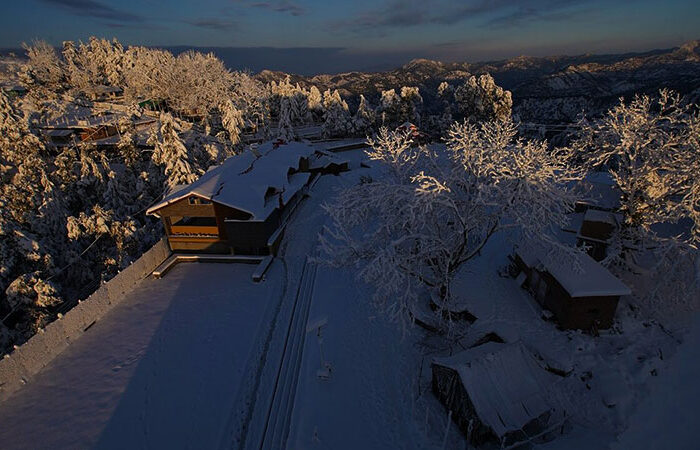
(651, 147)
(433, 213)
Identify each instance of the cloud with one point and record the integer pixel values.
(93, 8)
(405, 13)
(283, 6)
(212, 24)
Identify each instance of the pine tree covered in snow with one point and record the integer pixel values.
(389, 109)
(315, 103)
(285, 130)
(336, 119)
(300, 107)
(363, 121)
(171, 153)
(232, 120)
(411, 105)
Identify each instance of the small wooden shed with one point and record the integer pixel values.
(497, 392)
(580, 292)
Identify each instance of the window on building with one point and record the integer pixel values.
(199, 201)
(188, 221)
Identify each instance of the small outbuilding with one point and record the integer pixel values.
(239, 206)
(580, 292)
(497, 392)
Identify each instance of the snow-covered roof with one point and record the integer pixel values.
(594, 215)
(242, 181)
(102, 89)
(505, 384)
(582, 277)
(601, 190)
(58, 133)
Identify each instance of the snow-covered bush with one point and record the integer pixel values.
(434, 211)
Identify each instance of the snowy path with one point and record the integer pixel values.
(277, 424)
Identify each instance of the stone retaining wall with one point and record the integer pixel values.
(17, 368)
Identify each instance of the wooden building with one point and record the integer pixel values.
(101, 93)
(98, 129)
(239, 206)
(581, 293)
(497, 393)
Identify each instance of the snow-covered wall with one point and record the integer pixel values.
(18, 367)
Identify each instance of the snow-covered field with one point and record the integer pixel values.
(205, 358)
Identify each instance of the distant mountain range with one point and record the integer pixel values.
(545, 89)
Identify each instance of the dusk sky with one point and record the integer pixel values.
(361, 34)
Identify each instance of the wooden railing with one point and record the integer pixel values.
(194, 230)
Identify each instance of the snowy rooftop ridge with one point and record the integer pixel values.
(505, 384)
(593, 280)
(242, 181)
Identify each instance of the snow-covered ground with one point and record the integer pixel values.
(205, 358)
(163, 369)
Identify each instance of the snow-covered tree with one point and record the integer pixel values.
(337, 121)
(363, 121)
(315, 100)
(43, 70)
(301, 115)
(430, 215)
(232, 120)
(651, 147)
(285, 130)
(481, 99)
(411, 104)
(97, 62)
(389, 109)
(445, 119)
(171, 153)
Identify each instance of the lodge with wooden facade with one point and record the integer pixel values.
(238, 207)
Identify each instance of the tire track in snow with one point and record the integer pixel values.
(276, 430)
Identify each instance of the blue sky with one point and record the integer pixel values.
(365, 32)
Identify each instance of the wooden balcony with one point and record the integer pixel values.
(194, 231)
